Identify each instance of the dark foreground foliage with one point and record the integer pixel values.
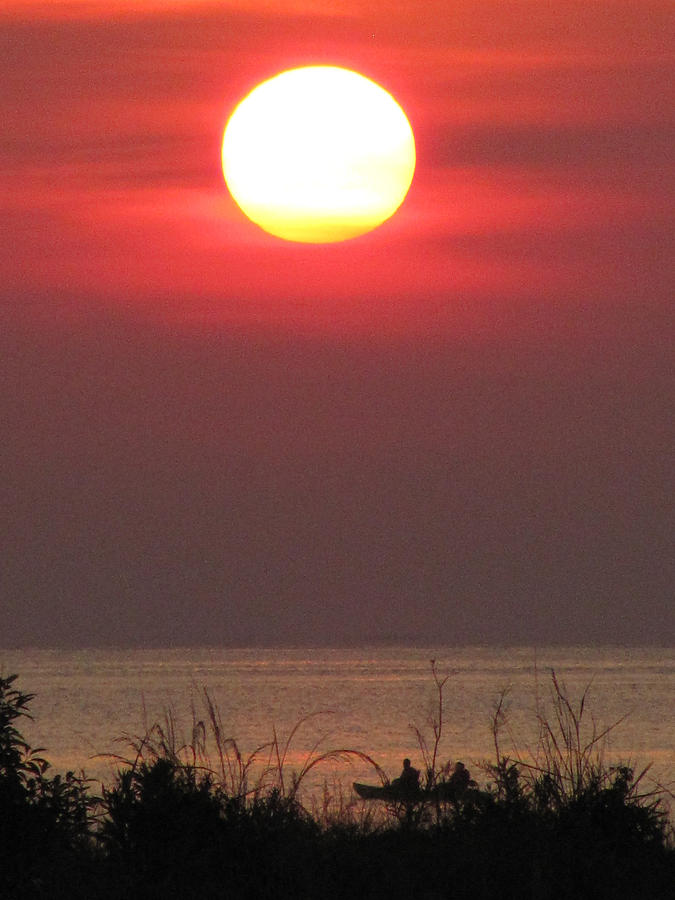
(170, 828)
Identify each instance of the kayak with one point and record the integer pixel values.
(393, 794)
(387, 792)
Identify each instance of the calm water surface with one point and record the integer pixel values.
(368, 698)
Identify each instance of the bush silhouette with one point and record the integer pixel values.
(45, 823)
(567, 827)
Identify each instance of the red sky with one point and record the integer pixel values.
(456, 425)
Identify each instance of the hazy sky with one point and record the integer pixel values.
(457, 428)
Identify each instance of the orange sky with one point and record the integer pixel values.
(545, 129)
(495, 354)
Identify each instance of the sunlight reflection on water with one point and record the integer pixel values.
(370, 697)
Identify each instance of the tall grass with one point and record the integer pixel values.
(209, 751)
(190, 814)
(569, 759)
(430, 749)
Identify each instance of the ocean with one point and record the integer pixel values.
(370, 699)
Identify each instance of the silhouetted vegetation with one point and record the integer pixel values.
(193, 819)
(46, 823)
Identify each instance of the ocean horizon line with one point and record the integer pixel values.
(368, 644)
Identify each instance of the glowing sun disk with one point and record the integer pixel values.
(318, 154)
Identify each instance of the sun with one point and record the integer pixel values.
(318, 154)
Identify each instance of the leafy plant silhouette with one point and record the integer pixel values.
(45, 823)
